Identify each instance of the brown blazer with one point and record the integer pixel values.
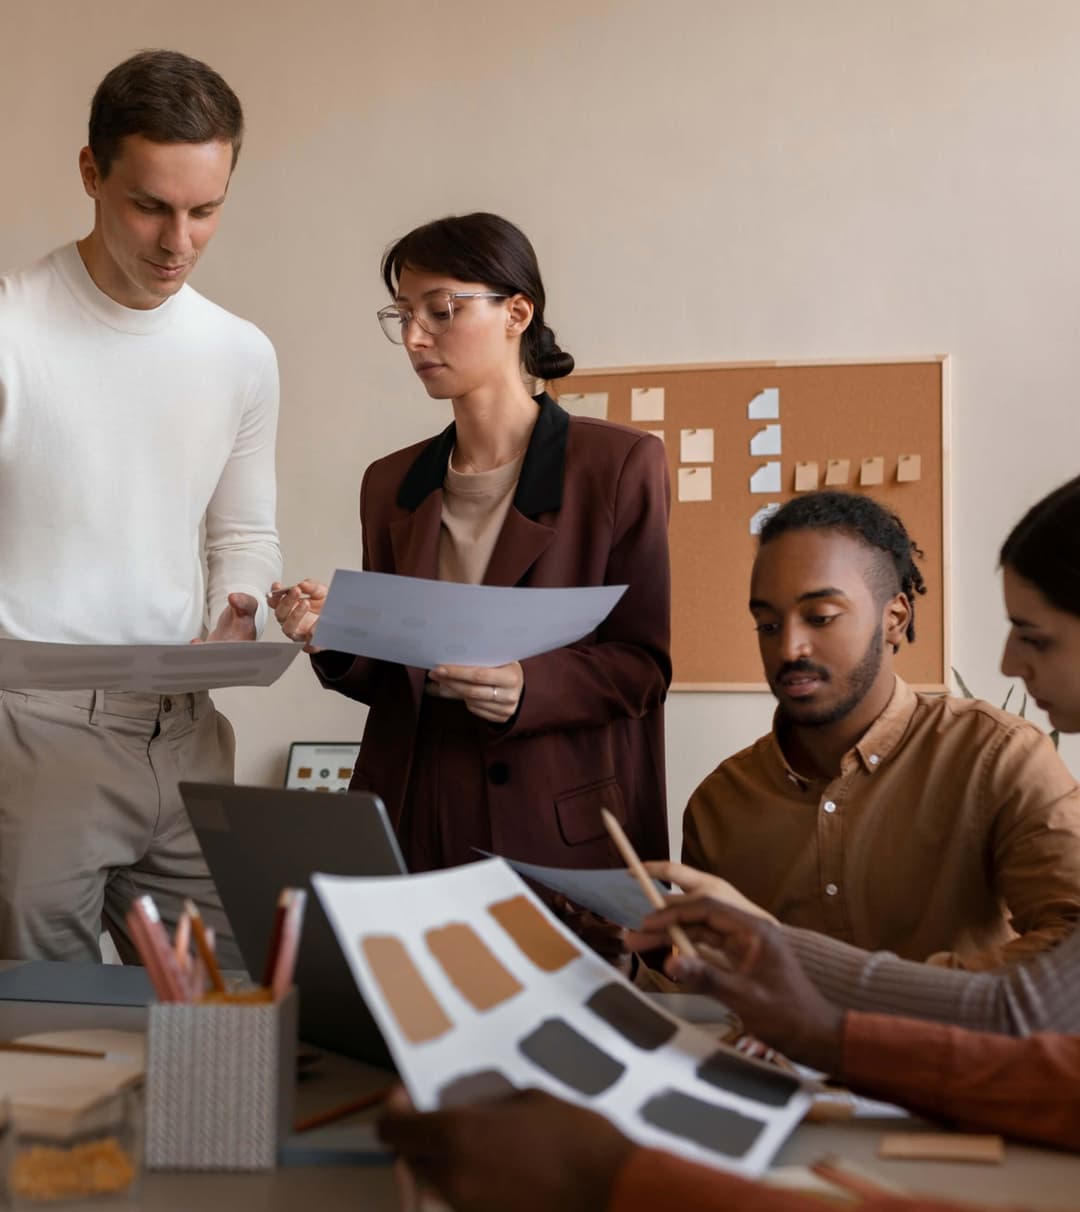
(591, 508)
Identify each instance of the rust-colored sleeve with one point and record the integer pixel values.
(1025, 1088)
(650, 1179)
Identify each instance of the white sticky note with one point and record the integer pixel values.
(695, 445)
(837, 472)
(872, 471)
(762, 516)
(766, 478)
(765, 406)
(647, 404)
(585, 404)
(909, 469)
(656, 433)
(766, 441)
(806, 476)
(695, 483)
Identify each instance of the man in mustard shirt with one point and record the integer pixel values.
(938, 828)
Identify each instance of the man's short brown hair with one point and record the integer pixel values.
(166, 97)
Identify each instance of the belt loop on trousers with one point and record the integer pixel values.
(97, 703)
(193, 706)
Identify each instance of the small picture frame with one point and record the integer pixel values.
(321, 765)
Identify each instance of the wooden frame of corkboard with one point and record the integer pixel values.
(886, 408)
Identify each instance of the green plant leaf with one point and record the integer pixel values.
(961, 683)
(1055, 736)
(1005, 705)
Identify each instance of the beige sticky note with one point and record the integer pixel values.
(806, 477)
(646, 404)
(837, 472)
(872, 471)
(695, 445)
(909, 469)
(695, 483)
(656, 433)
(942, 1146)
(586, 404)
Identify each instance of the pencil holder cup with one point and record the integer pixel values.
(220, 1081)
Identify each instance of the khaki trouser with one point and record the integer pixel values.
(91, 817)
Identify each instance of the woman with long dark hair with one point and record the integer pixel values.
(520, 758)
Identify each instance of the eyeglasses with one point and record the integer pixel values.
(434, 314)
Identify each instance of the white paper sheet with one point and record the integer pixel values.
(150, 668)
(533, 1006)
(585, 404)
(423, 623)
(766, 441)
(765, 406)
(646, 404)
(695, 445)
(762, 515)
(766, 478)
(610, 892)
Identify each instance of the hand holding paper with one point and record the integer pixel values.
(492, 694)
(236, 621)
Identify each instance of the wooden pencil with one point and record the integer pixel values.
(630, 858)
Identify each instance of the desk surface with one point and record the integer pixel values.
(1031, 1178)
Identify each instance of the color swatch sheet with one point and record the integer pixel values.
(414, 621)
(149, 668)
(479, 990)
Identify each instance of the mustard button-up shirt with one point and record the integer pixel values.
(952, 832)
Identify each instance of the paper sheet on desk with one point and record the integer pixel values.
(479, 990)
(150, 668)
(611, 892)
(414, 621)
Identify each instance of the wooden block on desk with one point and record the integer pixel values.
(941, 1146)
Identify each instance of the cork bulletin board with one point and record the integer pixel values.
(743, 439)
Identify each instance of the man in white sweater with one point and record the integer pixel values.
(137, 498)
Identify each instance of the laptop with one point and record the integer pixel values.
(258, 840)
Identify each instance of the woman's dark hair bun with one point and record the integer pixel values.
(551, 361)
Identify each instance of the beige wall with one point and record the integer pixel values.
(705, 180)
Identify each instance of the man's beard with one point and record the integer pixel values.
(858, 684)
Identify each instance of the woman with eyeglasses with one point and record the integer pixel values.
(517, 759)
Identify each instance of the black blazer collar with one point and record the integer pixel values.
(541, 483)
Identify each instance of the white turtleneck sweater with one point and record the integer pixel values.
(122, 434)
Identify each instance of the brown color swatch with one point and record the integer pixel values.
(534, 934)
(470, 965)
(419, 1015)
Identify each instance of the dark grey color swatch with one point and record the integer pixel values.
(632, 1016)
(477, 1087)
(577, 1062)
(717, 1128)
(737, 1076)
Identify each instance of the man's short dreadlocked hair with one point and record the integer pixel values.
(870, 524)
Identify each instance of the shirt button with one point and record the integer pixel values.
(166, 704)
(829, 806)
(873, 759)
(831, 890)
(499, 773)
